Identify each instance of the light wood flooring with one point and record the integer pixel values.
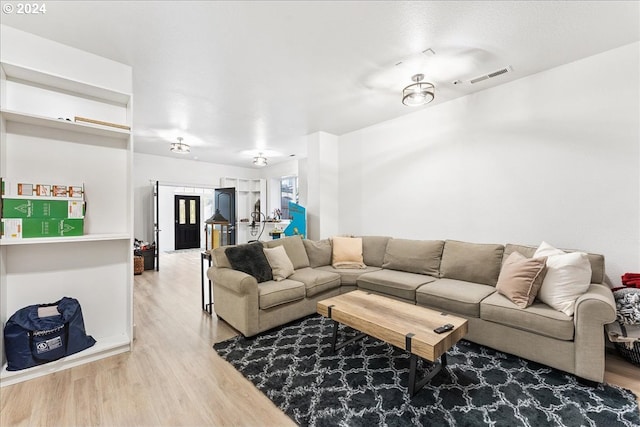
(172, 377)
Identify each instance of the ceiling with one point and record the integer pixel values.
(237, 78)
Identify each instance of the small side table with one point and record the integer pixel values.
(205, 255)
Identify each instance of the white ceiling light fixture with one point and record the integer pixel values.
(180, 147)
(260, 160)
(418, 93)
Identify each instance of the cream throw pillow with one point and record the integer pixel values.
(520, 278)
(568, 276)
(281, 265)
(347, 252)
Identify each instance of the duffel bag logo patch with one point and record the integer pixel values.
(48, 345)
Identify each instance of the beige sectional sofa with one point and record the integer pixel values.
(456, 277)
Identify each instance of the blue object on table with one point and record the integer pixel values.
(298, 224)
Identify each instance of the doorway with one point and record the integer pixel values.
(226, 205)
(187, 222)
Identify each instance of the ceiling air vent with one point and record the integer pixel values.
(491, 75)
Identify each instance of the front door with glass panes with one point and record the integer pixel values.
(187, 222)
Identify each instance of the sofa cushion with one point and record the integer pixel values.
(398, 283)
(347, 252)
(454, 296)
(510, 248)
(568, 277)
(538, 318)
(272, 293)
(319, 252)
(520, 278)
(349, 276)
(596, 260)
(316, 281)
(373, 249)
(414, 256)
(281, 266)
(471, 262)
(250, 259)
(295, 250)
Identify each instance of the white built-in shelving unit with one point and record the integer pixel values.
(248, 192)
(43, 84)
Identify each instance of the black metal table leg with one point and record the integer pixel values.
(205, 307)
(437, 366)
(334, 346)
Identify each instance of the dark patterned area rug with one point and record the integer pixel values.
(364, 384)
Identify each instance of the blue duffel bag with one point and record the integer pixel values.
(42, 333)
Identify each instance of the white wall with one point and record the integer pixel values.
(168, 170)
(554, 156)
(322, 185)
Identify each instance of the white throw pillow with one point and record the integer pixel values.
(568, 277)
(281, 265)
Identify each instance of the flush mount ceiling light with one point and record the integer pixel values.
(260, 160)
(180, 147)
(418, 93)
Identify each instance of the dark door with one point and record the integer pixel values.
(225, 199)
(187, 221)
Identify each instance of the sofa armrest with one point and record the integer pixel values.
(234, 280)
(236, 298)
(597, 306)
(594, 309)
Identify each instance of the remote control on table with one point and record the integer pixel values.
(443, 328)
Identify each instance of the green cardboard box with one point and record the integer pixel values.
(19, 228)
(38, 208)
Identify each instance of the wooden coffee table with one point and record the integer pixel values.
(404, 325)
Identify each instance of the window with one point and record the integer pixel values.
(192, 212)
(288, 192)
(183, 214)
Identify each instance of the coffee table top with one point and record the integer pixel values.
(392, 320)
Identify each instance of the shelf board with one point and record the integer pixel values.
(83, 128)
(104, 347)
(74, 239)
(48, 198)
(18, 72)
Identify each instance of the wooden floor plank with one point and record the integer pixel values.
(172, 377)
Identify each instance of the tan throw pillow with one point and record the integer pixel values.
(520, 278)
(347, 252)
(281, 265)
